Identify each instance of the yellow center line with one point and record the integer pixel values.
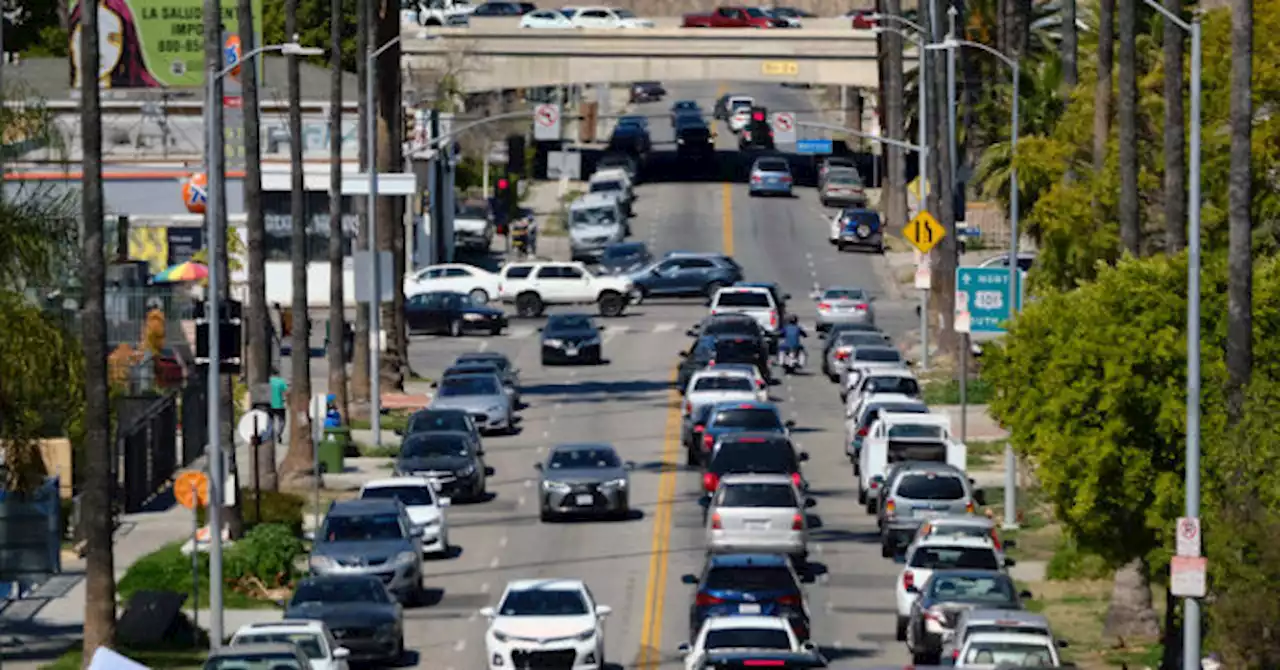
(726, 205)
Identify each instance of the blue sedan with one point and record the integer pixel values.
(771, 176)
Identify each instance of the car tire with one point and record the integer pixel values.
(862, 495)
(545, 516)
(691, 457)
(479, 296)
(529, 304)
(455, 328)
(872, 506)
(841, 247)
(495, 331)
(900, 629)
(886, 548)
(712, 288)
(545, 361)
(398, 654)
(611, 304)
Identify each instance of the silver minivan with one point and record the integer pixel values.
(762, 513)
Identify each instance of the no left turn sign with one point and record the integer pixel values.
(784, 127)
(546, 124)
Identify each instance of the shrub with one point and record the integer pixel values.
(278, 507)
(165, 569)
(265, 553)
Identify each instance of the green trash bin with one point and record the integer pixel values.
(332, 453)
(342, 435)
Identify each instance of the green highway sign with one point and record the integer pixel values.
(983, 299)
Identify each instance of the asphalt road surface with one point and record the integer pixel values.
(635, 566)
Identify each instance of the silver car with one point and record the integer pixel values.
(482, 396)
(844, 304)
(584, 479)
(842, 348)
(762, 513)
(918, 494)
(371, 537)
(871, 357)
(770, 175)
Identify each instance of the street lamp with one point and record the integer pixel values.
(213, 217)
(950, 44)
(1191, 606)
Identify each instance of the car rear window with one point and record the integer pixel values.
(954, 558)
(930, 487)
(749, 418)
(695, 132)
(844, 294)
(878, 355)
(1025, 629)
(744, 325)
(913, 450)
(753, 458)
(755, 578)
(747, 638)
(772, 166)
(743, 299)
(724, 383)
(1013, 654)
(737, 350)
(758, 495)
(903, 385)
(995, 588)
(844, 179)
(910, 431)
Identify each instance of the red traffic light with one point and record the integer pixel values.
(758, 116)
(502, 184)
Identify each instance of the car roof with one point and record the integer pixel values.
(845, 288)
(1001, 636)
(565, 316)
(933, 468)
(693, 254)
(596, 199)
(397, 482)
(254, 649)
(583, 446)
(495, 355)
(739, 288)
(915, 418)
(973, 520)
(554, 584)
(475, 375)
(746, 621)
(755, 478)
(891, 372)
(467, 368)
(965, 541)
(875, 400)
(968, 573)
(449, 434)
(1013, 617)
(747, 561)
(772, 286)
(726, 370)
(745, 404)
(361, 506)
(308, 625)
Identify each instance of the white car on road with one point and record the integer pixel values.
(545, 18)
(741, 632)
(532, 287)
(608, 17)
(999, 650)
(545, 623)
(754, 301)
(712, 385)
(481, 285)
(312, 638)
(424, 505)
(941, 552)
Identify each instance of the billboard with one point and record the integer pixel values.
(152, 43)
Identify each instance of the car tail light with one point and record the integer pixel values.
(890, 507)
(715, 522)
(824, 306)
(704, 599)
(995, 539)
(688, 408)
(862, 306)
(795, 479)
(842, 354)
(797, 523)
(751, 440)
(969, 507)
(773, 319)
(955, 655)
(707, 441)
(908, 579)
(862, 432)
(759, 383)
(792, 600)
(755, 177)
(786, 179)
(709, 482)
(699, 428)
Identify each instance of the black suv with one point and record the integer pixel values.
(695, 141)
(754, 453)
(712, 349)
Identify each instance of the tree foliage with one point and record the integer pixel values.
(313, 28)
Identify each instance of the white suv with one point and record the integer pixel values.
(312, 638)
(563, 284)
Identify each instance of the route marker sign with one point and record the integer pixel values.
(546, 123)
(924, 232)
(784, 127)
(983, 298)
(813, 147)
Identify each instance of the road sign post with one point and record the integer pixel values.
(546, 123)
(924, 232)
(784, 128)
(983, 297)
(1188, 537)
(191, 490)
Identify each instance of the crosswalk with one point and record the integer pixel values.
(610, 331)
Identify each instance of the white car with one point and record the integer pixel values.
(711, 385)
(754, 301)
(311, 637)
(608, 17)
(998, 650)
(738, 120)
(941, 553)
(534, 286)
(907, 436)
(424, 505)
(871, 358)
(741, 632)
(481, 285)
(878, 381)
(545, 622)
(546, 18)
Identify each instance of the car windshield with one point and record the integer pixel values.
(543, 602)
(723, 383)
(833, 163)
(574, 459)
(878, 355)
(411, 496)
(426, 445)
(751, 458)
(624, 13)
(500, 363)
(472, 211)
(750, 418)
(563, 323)
(930, 487)
(951, 558)
(854, 217)
(854, 338)
(464, 386)
(747, 638)
(772, 166)
(844, 294)
(755, 12)
(995, 589)
(594, 216)
(308, 643)
(437, 421)
(844, 179)
(277, 661)
(605, 186)
(471, 369)
(1014, 654)
(916, 431)
(339, 591)
(743, 299)
(758, 495)
(363, 528)
(758, 578)
(903, 385)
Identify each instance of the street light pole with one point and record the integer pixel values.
(213, 307)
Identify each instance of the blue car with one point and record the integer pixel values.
(686, 276)
(770, 175)
(739, 417)
(750, 584)
(860, 228)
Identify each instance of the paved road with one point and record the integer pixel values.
(635, 566)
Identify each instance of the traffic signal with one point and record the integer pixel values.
(757, 115)
(515, 154)
(505, 199)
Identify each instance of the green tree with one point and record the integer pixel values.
(313, 27)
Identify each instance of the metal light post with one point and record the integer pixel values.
(1010, 461)
(212, 310)
(1191, 606)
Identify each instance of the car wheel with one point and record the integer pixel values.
(479, 296)
(841, 246)
(637, 295)
(886, 547)
(611, 304)
(455, 328)
(690, 457)
(546, 516)
(529, 304)
(546, 361)
(900, 630)
(712, 288)
(399, 651)
(871, 505)
(495, 331)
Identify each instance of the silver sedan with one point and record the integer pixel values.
(584, 480)
(844, 304)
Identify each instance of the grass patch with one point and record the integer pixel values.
(947, 392)
(372, 451)
(167, 569)
(160, 658)
(1076, 610)
(389, 421)
(985, 453)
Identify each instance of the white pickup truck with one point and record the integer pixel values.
(472, 226)
(898, 437)
(533, 286)
(756, 302)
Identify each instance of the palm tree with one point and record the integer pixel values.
(337, 236)
(942, 202)
(895, 192)
(1130, 227)
(1239, 201)
(390, 222)
(1070, 46)
(99, 524)
(1102, 92)
(360, 366)
(259, 343)
(1175, 139)
(299, 463)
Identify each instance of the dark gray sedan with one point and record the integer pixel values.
(362, 615)
(584, 479)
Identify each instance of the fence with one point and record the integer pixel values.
(146, 455)
(31, 534)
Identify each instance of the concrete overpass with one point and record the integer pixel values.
(495, 53)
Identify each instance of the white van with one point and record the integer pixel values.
(896, 437)
(614, 182)
(595, 221)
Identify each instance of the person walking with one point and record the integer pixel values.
(279, 404)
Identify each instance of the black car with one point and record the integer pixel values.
(452, 459)
(571, 338)
(647, 91)
(624, 257)
(753, 452)
(684, 107)
(449, 313)
(695, 142)
(737, 324)
(712, 349)
(631, 139)
(442, 420)
(363, 617)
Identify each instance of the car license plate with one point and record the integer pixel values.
(585, 499)
(926, 513)
(749, 608)
(756, 525)
(570, 351)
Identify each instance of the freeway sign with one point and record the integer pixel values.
(813, 147)
(924, 231)
(982, 299)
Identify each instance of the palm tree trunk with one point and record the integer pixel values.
(1127, 110)
(98, 519)
(895, 191)
(941, 193)
(1175, 138)
(1239, 217)
(1102, 92)
(360, 379)
(1070, 46)
(259, 320)
(390, 222)
(337, 233)
(298, 466)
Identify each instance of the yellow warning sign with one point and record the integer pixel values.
(780, 68)
(924, 232)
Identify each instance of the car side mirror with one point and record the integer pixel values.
(435, 385)
(309, 535)
(683, 354)
(691, 333)
(539, 329)
(808, 646)
(398, 431)
(537, 466)
(1062, 644)
(684, 648)
(790, 423)
(803, 456)
(599, 327)
(1010, 544)
(688, 579)
(1009, 562)
(489, 471)
(1025, 595)
(488, 612)
(980, 497)
(786, 296)
(810, 502)
(445, 502)
(603, 610)
(341, 653)
(284, 604)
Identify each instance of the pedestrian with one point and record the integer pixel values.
(278, 411)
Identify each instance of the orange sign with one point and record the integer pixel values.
(191, 488)
(195, 192)
(231, 54)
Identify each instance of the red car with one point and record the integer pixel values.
(733, 17)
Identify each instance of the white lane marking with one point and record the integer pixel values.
(817, 549)
(822, 578)
(808, 255)
(493, 562)
(502, 542)
(524, 331)
(460, 646)
(484, 344)
(572, 374)
(664, 327)
(552, 418)
(831, 607)
(520, 501)
(545, 434)
(484, 588)
(528, 483)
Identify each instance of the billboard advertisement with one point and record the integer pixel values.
(152, 43)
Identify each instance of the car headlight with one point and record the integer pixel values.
(494, 409)
(585, 635)
(591, 342)
(386, 630)
(555, 486)
(500, 636)
(467, 471)
(322, 563)
(620, 482)
(553, 342)
(405, 558)
(471, 316)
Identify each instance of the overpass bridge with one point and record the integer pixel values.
(495, 53)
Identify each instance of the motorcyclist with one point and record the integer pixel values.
(792, 333)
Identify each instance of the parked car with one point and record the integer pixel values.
(450, 313)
